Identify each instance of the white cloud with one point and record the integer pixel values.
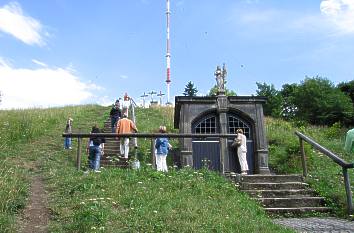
(340, 13)
(42, 87)
(105, 101)
(39, 63)
(123, 76)
(25, 28)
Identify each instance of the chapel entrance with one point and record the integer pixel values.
(206, 151)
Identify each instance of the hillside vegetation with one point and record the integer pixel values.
(114, 200)
(325, 176)
(118, 200)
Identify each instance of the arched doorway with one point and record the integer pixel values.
(206, 151)
(237, 122)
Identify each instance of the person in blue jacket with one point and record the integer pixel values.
(162, 146)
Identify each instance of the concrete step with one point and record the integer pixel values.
(297, 210)
(111, 150)
(111, 146)
(271, 178)
(272, 186)
(281, 193)
(291, 202)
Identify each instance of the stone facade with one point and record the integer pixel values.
(248, 108)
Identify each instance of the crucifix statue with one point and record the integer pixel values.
(220, 76)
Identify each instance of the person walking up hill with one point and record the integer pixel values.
(115, 114)
(95, 149)
(124, 126)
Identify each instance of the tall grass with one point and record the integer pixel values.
(324, 175)
(149, 120)
(144, 201)
(18, 130)
(117, 200)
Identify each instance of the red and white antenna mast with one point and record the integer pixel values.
(168, 54)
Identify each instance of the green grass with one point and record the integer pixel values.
(145, 201)
(115, 200)
(19, 130)
(325, 176)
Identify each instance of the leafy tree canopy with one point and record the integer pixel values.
(320, 102)
(274, 100)
(348, 88)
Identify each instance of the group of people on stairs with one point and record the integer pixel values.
(121, 124)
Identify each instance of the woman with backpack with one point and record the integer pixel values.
(95, 149)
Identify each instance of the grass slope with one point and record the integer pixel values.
(114, 200)
(324, 175)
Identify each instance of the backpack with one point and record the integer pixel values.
(97, 140)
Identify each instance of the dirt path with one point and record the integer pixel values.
(36, 214)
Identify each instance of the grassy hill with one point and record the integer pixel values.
(324, 175)
(141, 201)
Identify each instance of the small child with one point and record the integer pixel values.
(68, 129)
(162, 146)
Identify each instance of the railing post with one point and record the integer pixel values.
(303, 158)
(78, 156)
(153, 158)
(348, 191)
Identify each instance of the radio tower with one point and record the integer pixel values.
(168, 54)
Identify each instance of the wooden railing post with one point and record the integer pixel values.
(303, 158)
(348, 190)
(78, 156)
(153, 158)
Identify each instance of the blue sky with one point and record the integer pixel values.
(64, 52)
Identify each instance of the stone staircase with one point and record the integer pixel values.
(111, 150)
(281, 194)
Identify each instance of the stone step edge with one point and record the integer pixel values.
(277, 190)
(273, 183)
(289, 198)
(300, 209)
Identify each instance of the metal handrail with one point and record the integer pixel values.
(148, 135)
(345, 165)
(79, 137)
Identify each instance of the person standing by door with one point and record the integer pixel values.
(242, 151)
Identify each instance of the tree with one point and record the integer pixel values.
(347, 88)
(273, 106)
(289, 108)
(190, 90)
(214, 91)
(320, 102)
